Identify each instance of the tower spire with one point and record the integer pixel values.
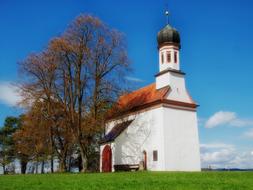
(167, 13)
(167, 16)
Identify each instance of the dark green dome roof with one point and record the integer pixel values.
(168, 35)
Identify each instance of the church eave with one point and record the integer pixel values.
(169, 70)
(115, 132)
(153, 104)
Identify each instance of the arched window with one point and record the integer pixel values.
(168, 56)
(162, 57)
(175, 57)
(155, 155)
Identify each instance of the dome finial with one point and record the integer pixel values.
(167, 14)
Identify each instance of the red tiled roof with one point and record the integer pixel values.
(135, 99)
(143, 97)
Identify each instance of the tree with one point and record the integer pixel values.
(7, 148)
(82, 72)
(31, 140)
(92, 59)
(40, 138)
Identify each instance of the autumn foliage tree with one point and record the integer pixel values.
(32, 139)
(42, 139)
(68, 87)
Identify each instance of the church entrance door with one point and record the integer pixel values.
(107, 159)
(145, 159)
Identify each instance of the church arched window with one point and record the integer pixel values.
(155, 155)
(168, 56)
(162, 57)
(175, 57)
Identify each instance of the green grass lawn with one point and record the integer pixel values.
(131, 180)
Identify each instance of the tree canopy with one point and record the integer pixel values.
(67, 89)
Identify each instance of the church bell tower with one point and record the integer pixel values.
(180, 128)
(170, 74)
(168, 40)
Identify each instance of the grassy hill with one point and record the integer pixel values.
(132, 180)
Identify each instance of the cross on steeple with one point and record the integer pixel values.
(167, 14)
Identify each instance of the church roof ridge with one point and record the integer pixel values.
(141, 89)
(140, 97)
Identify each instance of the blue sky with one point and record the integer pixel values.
(216, 54)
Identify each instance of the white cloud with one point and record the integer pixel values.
(9, 94)
(216, 154)
(242, 122)
(133, 79)
(220, 118)
(219, 155)
(216, 146)
(227, 118)
(249, 134)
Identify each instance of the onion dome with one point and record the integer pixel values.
(168, 35)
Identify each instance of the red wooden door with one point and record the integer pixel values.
(107, 159)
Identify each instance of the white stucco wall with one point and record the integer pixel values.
(144, 133)
(181, 140)
(176, 82)
(172, 132)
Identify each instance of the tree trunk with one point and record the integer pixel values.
(52, 163)
(42, 166)
(4, 170)
(36, 166)
(69, 163)
(33, 167)
(84, 159)
(23, 164)
(62, 165)
(80, 167)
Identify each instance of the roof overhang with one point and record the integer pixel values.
(170, 70)
(161, 102)
(115, 132)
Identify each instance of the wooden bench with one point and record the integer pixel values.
(126, 167)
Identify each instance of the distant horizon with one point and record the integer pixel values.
(75, 169)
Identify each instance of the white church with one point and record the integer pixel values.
(155, 127)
